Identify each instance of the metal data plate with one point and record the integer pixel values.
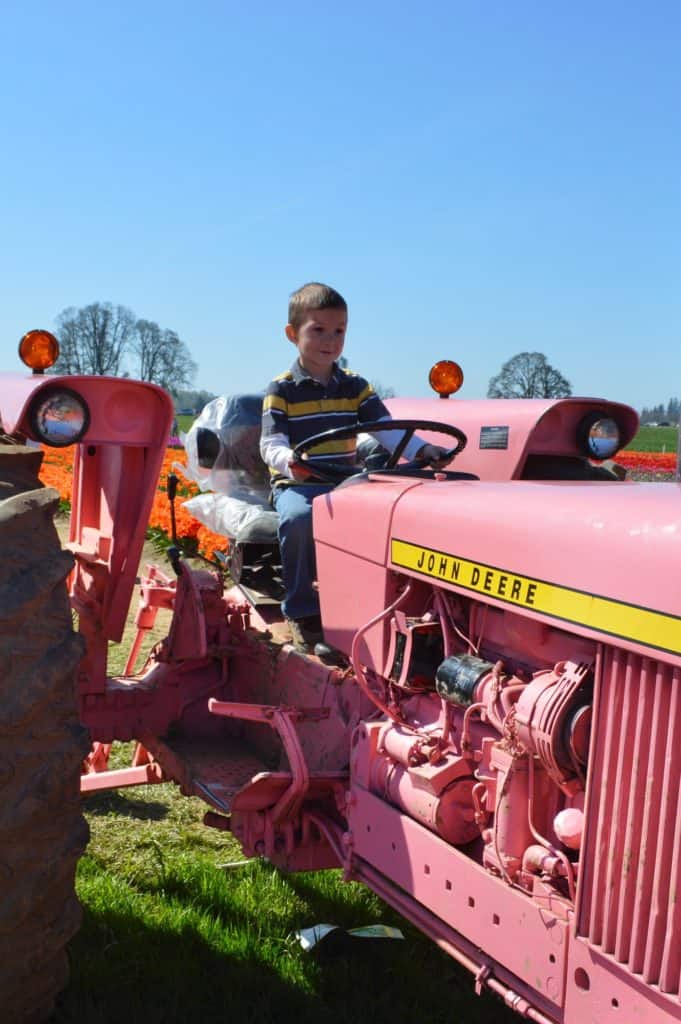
(494, 437)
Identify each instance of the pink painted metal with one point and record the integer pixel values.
(454, 533)
(496, 751)
(119, 778)
(534, 427)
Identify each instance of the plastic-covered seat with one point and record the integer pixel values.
(223, 452)
(223, 456)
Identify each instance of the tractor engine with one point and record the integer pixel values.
(488, 757)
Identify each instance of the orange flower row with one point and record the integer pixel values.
(663, 462)
(57, 472)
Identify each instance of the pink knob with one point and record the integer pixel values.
(569, 825)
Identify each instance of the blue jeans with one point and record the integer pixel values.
(294, 505)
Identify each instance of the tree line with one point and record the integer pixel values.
(107, 339)
(669, 413)
(110, 340)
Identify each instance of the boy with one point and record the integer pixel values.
(314, 396)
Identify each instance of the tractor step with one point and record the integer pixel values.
(227, 774)
(214, 769)
(257, 598)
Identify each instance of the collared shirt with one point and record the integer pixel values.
(296, 407)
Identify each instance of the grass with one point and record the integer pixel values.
(185, 422)
(171, 935)
(655, 439)
(177, 927)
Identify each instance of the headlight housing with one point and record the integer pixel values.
(599, 436)
(59, 417)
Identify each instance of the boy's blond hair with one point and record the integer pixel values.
(313, 296)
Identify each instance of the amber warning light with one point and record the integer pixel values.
(39, 350)
(446, 377)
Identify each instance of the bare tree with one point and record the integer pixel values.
(163, 357)
(106, 339)
(94, 339)
(148, 347)
(528, 375)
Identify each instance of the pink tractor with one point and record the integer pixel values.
(495, 749)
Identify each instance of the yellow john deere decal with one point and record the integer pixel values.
(642, 625)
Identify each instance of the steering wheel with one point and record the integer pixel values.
(334, 472)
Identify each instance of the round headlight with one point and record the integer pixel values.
(59, 417)
(599, 436)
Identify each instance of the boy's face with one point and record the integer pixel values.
(319, 339)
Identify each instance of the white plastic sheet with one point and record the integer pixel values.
(223, 457)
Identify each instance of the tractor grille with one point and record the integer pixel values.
(630, 892)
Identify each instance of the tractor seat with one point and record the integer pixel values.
(263, 529)
(223, 458)
(223, 455)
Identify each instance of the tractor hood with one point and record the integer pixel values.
(603, 558)
(506, 437)
(600, 559)
(120, 410)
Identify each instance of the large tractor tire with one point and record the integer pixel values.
(42, 829)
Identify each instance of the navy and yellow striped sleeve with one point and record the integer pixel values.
(370, 406)
(275, 410)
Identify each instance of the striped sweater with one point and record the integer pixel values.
(296, 407)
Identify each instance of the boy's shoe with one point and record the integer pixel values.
(306, 632)
(329, 655)
(308, 637)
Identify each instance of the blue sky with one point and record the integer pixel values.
(477, 179)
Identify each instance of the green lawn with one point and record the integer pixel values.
(655, 439)
(184, 423)
(173, 934)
